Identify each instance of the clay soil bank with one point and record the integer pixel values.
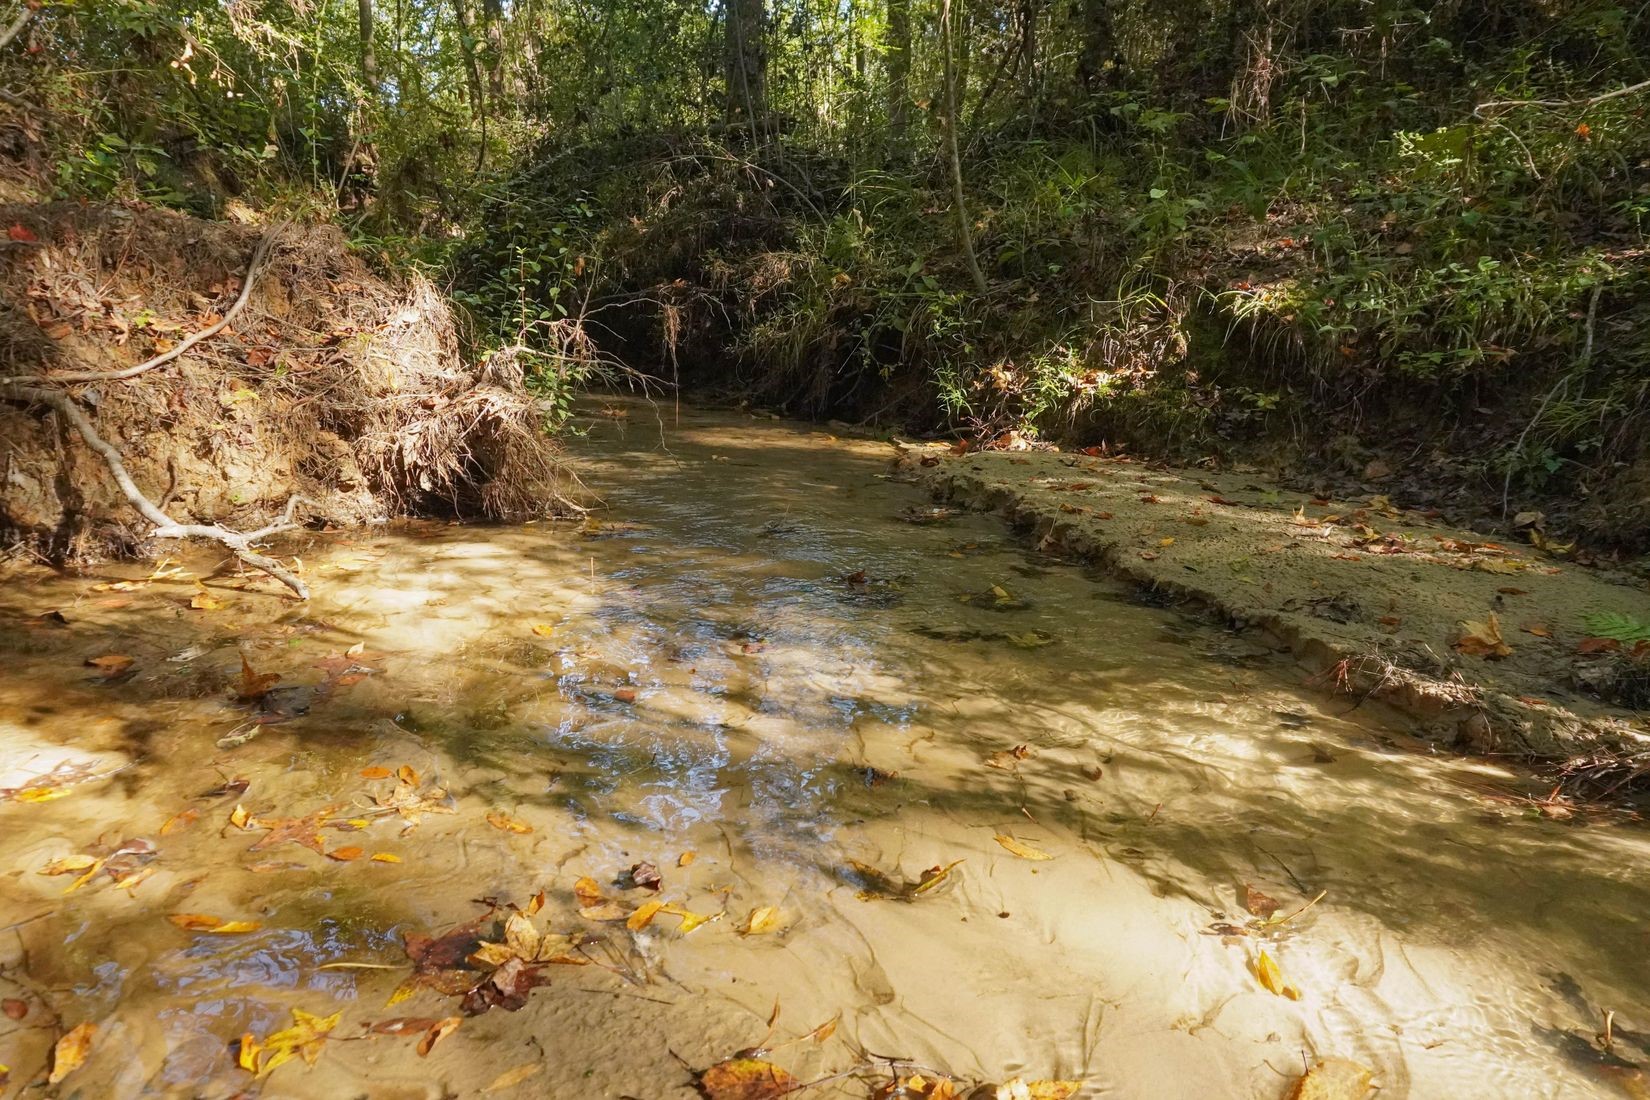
(1492, 646)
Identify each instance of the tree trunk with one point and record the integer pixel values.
(899, 69)
(1097, 57)
(467, 50)
(965, 238)
(369, 59)
(492, 15)
(746, 67)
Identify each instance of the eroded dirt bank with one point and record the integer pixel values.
(331, 382)
(1497, 648)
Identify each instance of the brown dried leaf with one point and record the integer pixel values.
(254, 685)
(1259, 904)
(110, 664)
(745, 1079)
(437, 1032)
(14, 1008)
(1482, 639)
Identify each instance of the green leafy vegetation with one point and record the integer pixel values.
(1312, 230)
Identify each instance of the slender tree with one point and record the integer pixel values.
(965, 236)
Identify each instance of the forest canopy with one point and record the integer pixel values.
(1320, 228)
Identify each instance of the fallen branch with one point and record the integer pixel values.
(16, 26)
(1629, 90)
(238, 543)
(259, 256)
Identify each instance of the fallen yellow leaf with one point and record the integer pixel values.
(70, 1051)
(745, 1079)
(763, 919)
(1334, 1079)
(686, 858)
(644, 915)
(202, 922)
(510, 1078)
(68, 865)
(205, 601)
(508, 824)
(1271, 976)
(1017, 1089)
(543, 630)
(305, 1037)
(385, 857)
(1024, 851)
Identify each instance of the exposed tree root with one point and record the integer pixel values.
(239, 544)
(259, 256)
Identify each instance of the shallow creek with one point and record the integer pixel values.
(753, 656)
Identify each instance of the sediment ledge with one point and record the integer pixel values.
(1494, 647)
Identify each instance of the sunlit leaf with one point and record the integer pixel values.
(69, 1052)
(179, 821)
(587, 891)
(1024, 851)
(606, 911)
(508, 824)
(437, 1032)
(686, 859)
(745, 1079)
(375, 772)
(643, 916)
(385, 857)
(69, 865)
(763, 919)
(202, 922)
(1271, 976)
(544, 630)
(689, 919)
(1017, 1089)
(110, 664)
(346, 855)
(510, 1078)
(1334, 1079)
(1482, 639)
(306, 1038)
(917, 1085)
(205, 601)
(933, 877)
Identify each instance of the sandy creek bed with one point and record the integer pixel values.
(703, 679)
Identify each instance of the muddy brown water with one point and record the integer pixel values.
(753, 656)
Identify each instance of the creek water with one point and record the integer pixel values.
(770, 671)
